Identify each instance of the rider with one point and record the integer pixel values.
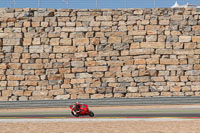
(77, 107)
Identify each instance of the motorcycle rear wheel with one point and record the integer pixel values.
(76, 115)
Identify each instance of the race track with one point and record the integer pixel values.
(122, 112)
(150, 115)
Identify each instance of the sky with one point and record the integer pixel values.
(91, 4)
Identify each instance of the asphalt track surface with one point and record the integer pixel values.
(152, 115)
(103, 102)
(193, 113)
(190, 112)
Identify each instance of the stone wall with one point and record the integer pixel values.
(74, 54)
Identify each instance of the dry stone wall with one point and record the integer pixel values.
(80, 54)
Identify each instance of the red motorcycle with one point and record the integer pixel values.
(84, 110)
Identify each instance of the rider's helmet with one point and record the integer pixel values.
(76, 103)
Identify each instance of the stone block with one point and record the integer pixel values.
(164, 22)
(195, 88)
(81, 29)
(68, 29)
(190, 46)
(183, 51)
(151, 38)
(97, 68)
(28, 83)
(64, 70)
(118, 95)
(77, 63)
(83, 96)
(103, 18)
(135, 45)
(27, 41)
(54, 34)
(133, 18)
(81, 54)
(132, 89)
(26, 24)
(40, 93)
(3, 66)
(13, 83)
(196, 39)
(97, 96)
(141, 51)
(41, 98)
(152, 45)
(169, 61)
(177, 17)
(3, 83)
(175, 89)
(32, 66)
(114, 40)
(152, 61)
(138, 38)
(95, 24)
(55, 41)
(110, 95)
(158, 79)
(36, 49)
(120, 90)
(139, 61)
(7, 49)
(166, 94)
(109, 23)
(27, 93)
(36, 41)
(137, 33)
(12, 41)
(62, 97)
(75, 70)
(185, 38)
(178, 94)
(196, 28)
(70, 24)
(63, 49)
(32, 77)
(18, 92)
(85, 18)
(142, 79)
(23, 98)
(6, 93)
(109, 80)
(90, 90)
(56, 92)
(172, 78)
(81, 41)
(77, 81)
(55, 77)
(150, 94)
(15, 77)
(108, 53)
(196, 67)
(189, 93)
(66, 41)
(114, 63)
(131, 95)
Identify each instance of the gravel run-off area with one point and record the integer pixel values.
(129, 126)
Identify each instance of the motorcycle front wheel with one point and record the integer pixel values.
(91, 114)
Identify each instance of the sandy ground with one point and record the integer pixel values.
(103, 127)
